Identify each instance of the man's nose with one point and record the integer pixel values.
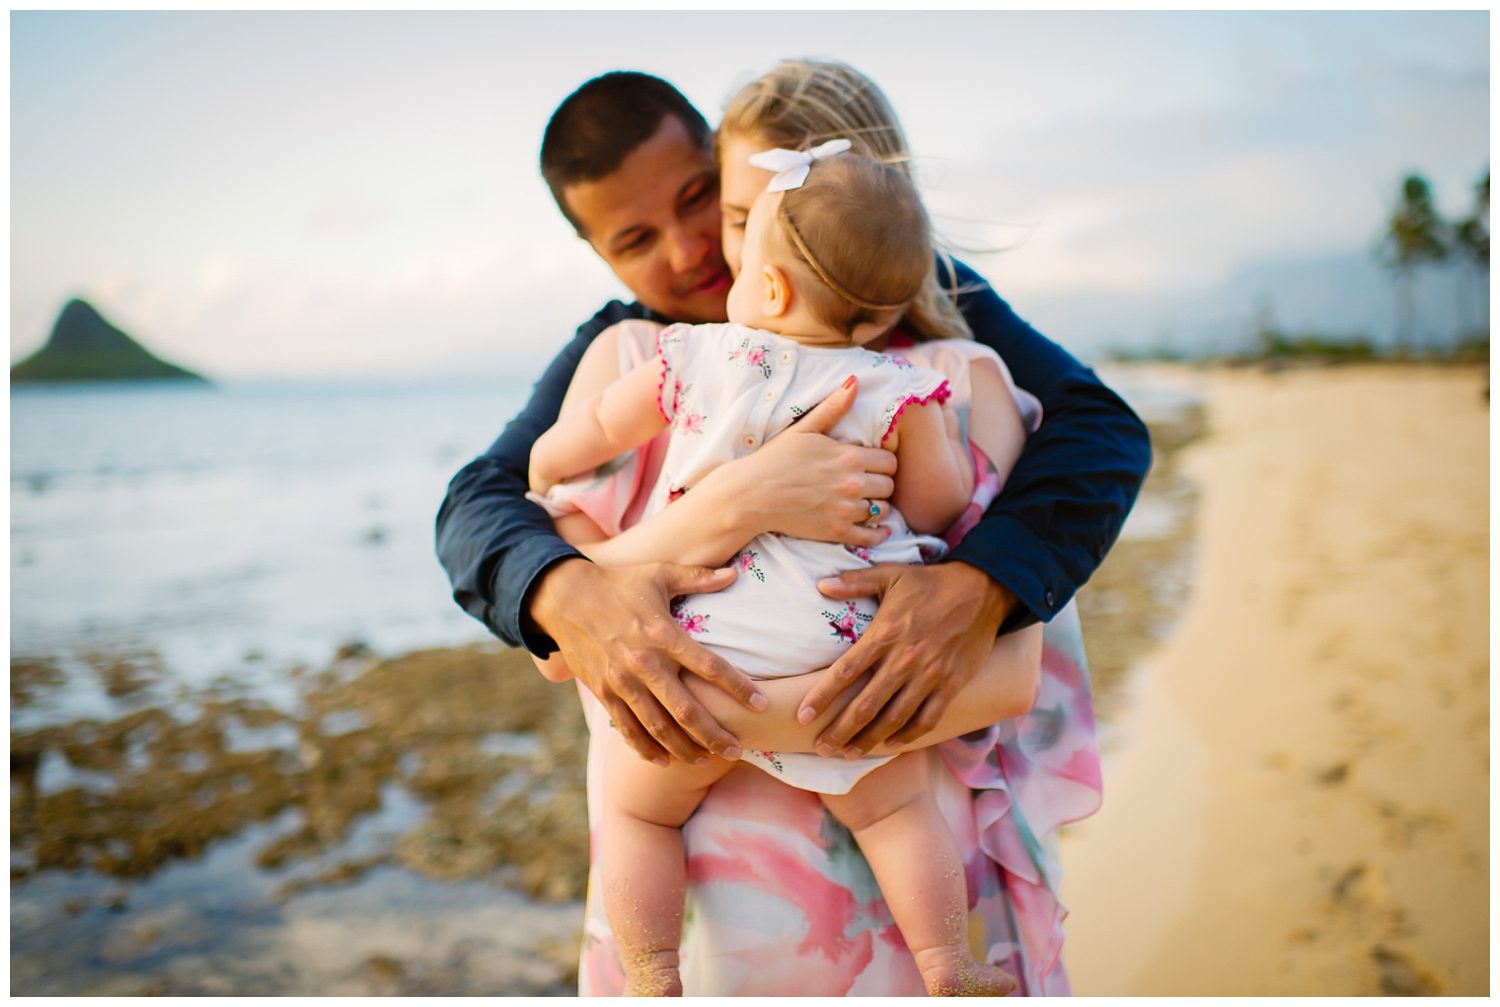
(686, 249)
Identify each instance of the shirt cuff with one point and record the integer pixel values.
(513, 595)
(1017, 558)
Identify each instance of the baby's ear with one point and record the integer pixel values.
(776, 291)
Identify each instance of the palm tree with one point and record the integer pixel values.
(1413, 236)
(1472, 241)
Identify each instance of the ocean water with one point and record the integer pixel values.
(271, 521)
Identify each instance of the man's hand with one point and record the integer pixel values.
(935, 626)
(615, 629)
(804, 484)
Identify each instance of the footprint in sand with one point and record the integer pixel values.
(1401, 976)
(1358, 889)
(1361, 893)
(1402, 828)
(1361, 898)
(1334, 775)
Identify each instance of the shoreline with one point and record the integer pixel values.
(1133, 601)
(1298, 800)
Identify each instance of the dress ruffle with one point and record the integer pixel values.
(941, 394)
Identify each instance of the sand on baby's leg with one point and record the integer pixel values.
(642, 863)
(897, 824)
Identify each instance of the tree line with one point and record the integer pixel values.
(1418, 237)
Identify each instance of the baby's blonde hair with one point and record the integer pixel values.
(857, 230)
(801, 103)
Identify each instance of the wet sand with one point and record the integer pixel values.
(1133, 601)
(1297, 790)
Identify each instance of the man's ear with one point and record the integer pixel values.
(776, 291)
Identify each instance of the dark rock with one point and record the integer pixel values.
(85, 347)
(353, 649)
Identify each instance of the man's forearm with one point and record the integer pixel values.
(485, 520)
(491, 540)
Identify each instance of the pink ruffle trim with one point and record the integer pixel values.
(661, 382)
(942, 393)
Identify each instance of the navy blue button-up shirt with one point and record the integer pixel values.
(1060, 511)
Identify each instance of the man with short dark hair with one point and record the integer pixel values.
(629, 164)
(655, 221)
(603, 121)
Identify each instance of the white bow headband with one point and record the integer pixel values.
(792, 166)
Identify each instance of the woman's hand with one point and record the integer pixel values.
(935, 626)
(804, 484)
(614, 628)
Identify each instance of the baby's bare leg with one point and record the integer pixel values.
(902, 834)
(642, 868)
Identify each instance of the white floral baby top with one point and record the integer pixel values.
(726, 389)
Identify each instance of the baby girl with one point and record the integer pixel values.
(835, 251)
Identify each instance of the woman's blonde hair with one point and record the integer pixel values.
(800, 103)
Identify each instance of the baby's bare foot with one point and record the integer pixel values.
(651, 974)
(953, 972)
(973, 979)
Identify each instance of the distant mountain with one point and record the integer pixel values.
(1338, 297)
(85, 347)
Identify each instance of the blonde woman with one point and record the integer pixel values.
(818, 924)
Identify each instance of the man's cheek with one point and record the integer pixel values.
(640, 282)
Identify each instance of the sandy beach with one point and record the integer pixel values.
(1297, 787)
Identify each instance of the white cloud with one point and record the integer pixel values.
(356, 219)
(1180, 200)
(218, 276)
(481, 310)
(115, 286)
(344, 216)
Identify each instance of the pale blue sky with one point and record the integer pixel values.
(271, 194)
